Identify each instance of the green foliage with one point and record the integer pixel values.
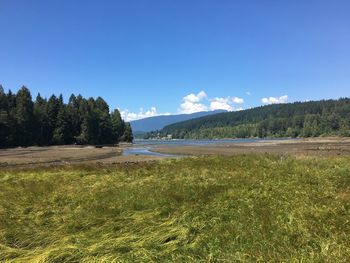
(300, 119)
(63, 133)
(118, 125)
(214, 209)
(127, 136)
(4, 118)
(45, 122)
(24, 117)
(41, 121)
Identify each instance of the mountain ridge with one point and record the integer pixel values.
(159, 122)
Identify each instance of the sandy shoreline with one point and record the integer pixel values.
(71, 154)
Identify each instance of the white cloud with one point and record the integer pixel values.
(248, 93)
(221, 104)
(238, 100)
(273, 100)
(192, 103)
(131, 116)
(195, 98)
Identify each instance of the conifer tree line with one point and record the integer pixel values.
(299, 119)
(24, 122)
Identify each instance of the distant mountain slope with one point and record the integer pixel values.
(158, 122)
(299, 119)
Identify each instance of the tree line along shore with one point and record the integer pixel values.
(299, 119)
(24, 122)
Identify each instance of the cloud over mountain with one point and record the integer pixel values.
(191, 103)
(274, 100)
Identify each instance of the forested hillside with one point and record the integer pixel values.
(299, 119)
(24, 122)
(159, 122)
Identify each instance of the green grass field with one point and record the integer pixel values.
(210, 209)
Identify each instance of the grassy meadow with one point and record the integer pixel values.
(205, 209)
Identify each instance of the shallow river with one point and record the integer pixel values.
(144, 147)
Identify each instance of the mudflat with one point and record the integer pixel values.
(306, 147)
(72, 154)
(69, 154)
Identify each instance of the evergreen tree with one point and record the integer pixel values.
(84, 136)
(46, 122)
(118, 125)
(53, 107)
(105, 133)
(3, 99)
(24, 117)
(63, 133)
(89, 129)
(11, 119)
(41, 121)
(4, 125)
(74, 116)
(127, 137)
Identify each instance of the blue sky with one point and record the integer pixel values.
(177, 56)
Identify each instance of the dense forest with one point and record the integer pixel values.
(299, 119)
(24, 122)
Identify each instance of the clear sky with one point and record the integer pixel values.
(177, 56)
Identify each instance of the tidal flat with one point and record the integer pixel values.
(149, 150)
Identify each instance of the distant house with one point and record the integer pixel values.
(168, 137)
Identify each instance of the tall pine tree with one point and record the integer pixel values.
(24, 117)
(46, 122)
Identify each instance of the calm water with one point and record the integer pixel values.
(144, 147)
(143, 151)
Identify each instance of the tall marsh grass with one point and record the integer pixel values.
(210, 209)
